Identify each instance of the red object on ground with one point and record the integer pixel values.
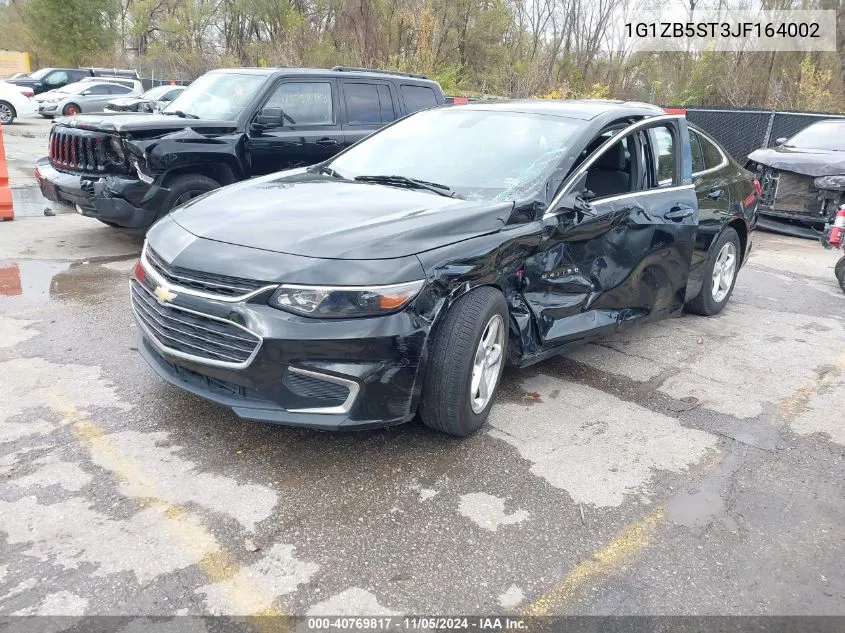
(10, 281)
(675, 111)
(6, 210)
(837, 233)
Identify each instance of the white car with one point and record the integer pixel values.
(14, 103)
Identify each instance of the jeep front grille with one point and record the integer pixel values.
(81, 150)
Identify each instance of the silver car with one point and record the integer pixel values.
(82, 96)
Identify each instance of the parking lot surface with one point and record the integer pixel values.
(693, 466)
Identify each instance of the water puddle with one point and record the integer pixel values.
(45, 280)
(31, 279)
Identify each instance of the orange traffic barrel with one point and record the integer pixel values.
(6, 210)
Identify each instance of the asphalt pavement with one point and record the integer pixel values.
(693, 466)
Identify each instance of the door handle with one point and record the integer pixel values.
(327, 141)
(715, 194)
(679, 213)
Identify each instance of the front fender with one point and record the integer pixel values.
(187, 149)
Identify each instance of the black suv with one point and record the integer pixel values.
(52, 78)
(129, 170)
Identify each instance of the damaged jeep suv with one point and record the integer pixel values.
(129, 170)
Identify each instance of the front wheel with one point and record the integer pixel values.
(840, 272)
(184, 188)
(71, 109)
(719, 276)
(7, 113)
(465, 364)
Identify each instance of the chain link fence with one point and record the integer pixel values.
(742, 131)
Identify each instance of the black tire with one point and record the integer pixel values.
(71, 106)
(7, 113)
(705, 304)
(107, 223)
(445, 404)
(840, 272)
(183, 188)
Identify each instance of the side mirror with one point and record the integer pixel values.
(781, 140)
(85, 93)
(270, 117)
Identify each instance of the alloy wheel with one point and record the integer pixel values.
(724, 271)
(6, 115)
(487, 364)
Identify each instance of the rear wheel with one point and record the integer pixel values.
(71, 109)
(840, 272)
(7, 113)
(465, 363)
(719, 276)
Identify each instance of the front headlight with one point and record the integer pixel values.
(835, 183)
(340, 302)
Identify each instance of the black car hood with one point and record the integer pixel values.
(318, 216)
(810, 162)
(127, 124)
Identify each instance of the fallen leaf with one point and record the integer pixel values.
(531, 395)
(701, 340)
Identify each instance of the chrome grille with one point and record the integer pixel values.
(204, 282)
(82, 150)
(195, 335)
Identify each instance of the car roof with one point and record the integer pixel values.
(585, 109)
(333, 72)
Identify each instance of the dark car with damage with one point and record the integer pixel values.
(400, 276)
(802, 179)
(128, 170)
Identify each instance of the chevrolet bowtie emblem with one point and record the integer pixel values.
(164, 295)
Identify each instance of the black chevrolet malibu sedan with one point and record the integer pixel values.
(399, 277)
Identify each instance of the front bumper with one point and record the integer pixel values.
(48, 109)
(121, 200)
(378, 360)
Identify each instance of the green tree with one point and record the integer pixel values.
(71, 32)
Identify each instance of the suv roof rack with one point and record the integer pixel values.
(376, 70)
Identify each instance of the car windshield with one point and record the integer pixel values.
(216, 96)
(480, 154)
(824, 135)
(39, 74)
(154, 93)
